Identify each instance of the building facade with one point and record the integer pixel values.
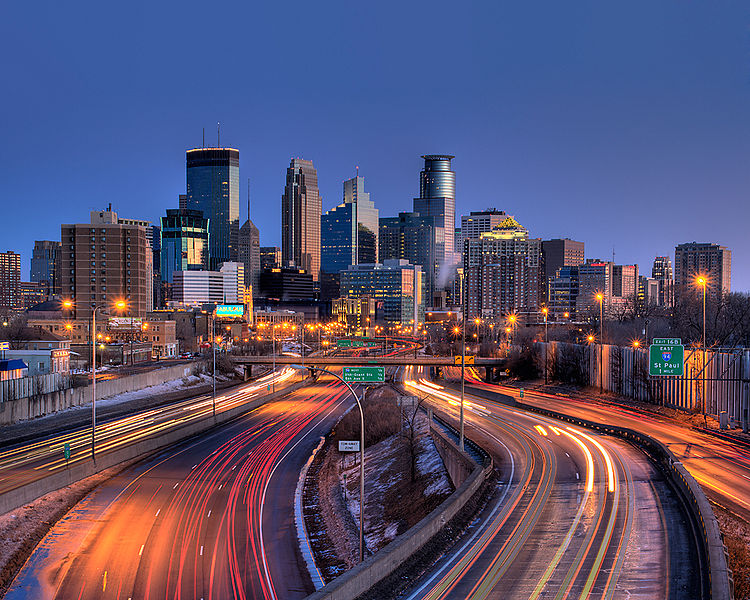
(395, 286)
(103, 262)
(662, 272)
(191, 288)
(45, 265)
(710, 260)
(503, 272)
(270, 257)
(249, 255)
(301, 209)
(287, 283)
(184, 242)
(594, 277)
(437, 198)
(213, 187)
(476, 223)
(563, 294)
(10, 282)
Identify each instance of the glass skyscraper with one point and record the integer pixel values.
(437, 197)
(301, 209)
(349, 232)
(184, 242)
(213, 187)
(45, 260)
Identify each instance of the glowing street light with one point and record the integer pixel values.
(702, 282)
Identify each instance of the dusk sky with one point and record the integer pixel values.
(622, 126)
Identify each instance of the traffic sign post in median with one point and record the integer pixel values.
(364, 374)
(666, 357)
(343, 343)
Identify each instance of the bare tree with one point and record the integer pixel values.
(410, 432)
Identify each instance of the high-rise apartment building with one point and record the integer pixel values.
(648, 293)
(10, 282)
(437, 198)
(103, 262)
(624, 281)
(503, 272)
(396, 287)
(301, 209)
(349, 231)
(213, 187)
(710, 260)
(561, 253)
(594, 277)
(184, 242)
(270, 257)
(45, 265)
(249, 255)
(563, 294)
(475, 224)
(417, 239)
(661, 271)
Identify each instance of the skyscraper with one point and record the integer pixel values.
(711, 260)
(662, 272)
(213, 187)
(249, 255)
(476, 223)
(45, 265)
(270, 257)
(301, 209)
(595, 276)
(437, 198)
(349, 231)
(10, 282)
(184, 242)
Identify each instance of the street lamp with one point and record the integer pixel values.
(545, 311)
(361, 454)
(463, 362)
(600, 300)
(702, 281)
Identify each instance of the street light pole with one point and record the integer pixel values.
(213, 345)
(600, 298)
(361, 455)
(545, 310)
(463, 363)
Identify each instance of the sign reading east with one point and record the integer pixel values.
(666, 356)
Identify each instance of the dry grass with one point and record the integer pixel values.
(736, 534)
(382, 417)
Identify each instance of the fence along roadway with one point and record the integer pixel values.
(437, 361)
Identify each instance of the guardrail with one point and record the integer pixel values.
(721, 585)
(33, 490)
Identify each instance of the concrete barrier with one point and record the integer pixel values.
(721, 585)
(458, 464)
(33, 490)
(384, 562)
(14, 411)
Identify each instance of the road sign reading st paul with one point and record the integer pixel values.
(666, 356)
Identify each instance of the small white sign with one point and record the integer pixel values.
(348, 446)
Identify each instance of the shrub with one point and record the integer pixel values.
(382, 418)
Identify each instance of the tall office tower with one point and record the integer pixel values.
(158, 295)
(595, 276)
(301, 209)
(103, 262)
(213, 187)
(563, 294)
(625, 287)
(184, 244)
(476, 223)
(503, 270)
(711, 260)
(662, 272)
(270, 257)
(561, 253)
(182, 201)
(233, 274)
(249, 255)
(437, 198)
(417, 239)
(648, 293)
(10, 282)
(45, 265)
(349, 231)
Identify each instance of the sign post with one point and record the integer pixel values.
(469, 360)
(348, 446)
(364, 374)
(666, 357)
(66, 453)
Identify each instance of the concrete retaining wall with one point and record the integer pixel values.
(23, 409)
(384, 562)
(31, 491)
(458, 464)
(720, 577)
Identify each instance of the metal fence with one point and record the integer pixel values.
(30, 387)
(715, 381)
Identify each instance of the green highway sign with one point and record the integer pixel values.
(358, 344)
(666, 356)
(344, 343)
(66, 451)
(364, 374)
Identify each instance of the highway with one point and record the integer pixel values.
(22, 464)
(576, 515)
(721, 466)
(212, 518)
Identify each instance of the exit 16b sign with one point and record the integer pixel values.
(666, 356)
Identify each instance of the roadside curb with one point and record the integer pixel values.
(299, 521)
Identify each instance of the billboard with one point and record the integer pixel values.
(230, 310)
(125, 323)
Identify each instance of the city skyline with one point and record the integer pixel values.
(573, 128)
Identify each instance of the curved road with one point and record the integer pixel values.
(576, 515)
(212, 518)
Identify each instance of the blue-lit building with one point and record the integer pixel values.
(437, 197)
(213, 187)
(45, 265)
(184, 242)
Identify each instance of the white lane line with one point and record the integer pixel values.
(140, 552)
(220, 485)
(568, 455)
(201, 550)
(194, 467)
(577, 475)
(157, 512)
(209, 513)
(175, 485)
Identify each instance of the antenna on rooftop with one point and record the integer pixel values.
(248, 199)
(357, 167)
(203, 144)
(218, 135)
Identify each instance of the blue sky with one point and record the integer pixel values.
(623, 126)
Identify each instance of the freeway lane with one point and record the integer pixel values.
(211, 519)
(577, 515)
(28, 462)
(720, 466)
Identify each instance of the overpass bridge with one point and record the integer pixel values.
(492, 366)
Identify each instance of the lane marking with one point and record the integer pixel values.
(201, 550)
(209, 513)
(140, 552)
(157, 512)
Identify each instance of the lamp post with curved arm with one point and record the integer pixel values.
(361, 454)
